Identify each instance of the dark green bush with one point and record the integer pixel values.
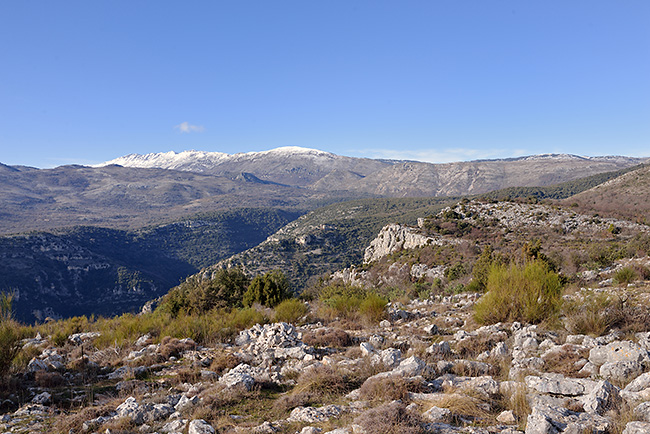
(198, 295)
(268, 290)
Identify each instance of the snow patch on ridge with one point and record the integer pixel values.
(175, 160)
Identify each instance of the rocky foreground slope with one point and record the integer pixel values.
(426, 369)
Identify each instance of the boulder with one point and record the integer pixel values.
(314, 414)
(437, 414)
(621, 372)
(618, 351)
(199, 426)
(601, 398)
(555, 384)
(637, 428)
(642, 411)
(238, 376)
(640, 383)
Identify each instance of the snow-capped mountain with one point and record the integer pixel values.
(199, 161)
(290, 165)
(324, 171)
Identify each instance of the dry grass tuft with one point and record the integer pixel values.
(385, 389)
(391, 418)
(327, 338)
(223, 361)
(464, 406)
(172, 347)
(564, 360)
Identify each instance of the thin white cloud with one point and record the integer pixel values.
(448, 155)
(185, 127)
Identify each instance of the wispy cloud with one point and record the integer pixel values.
(186, 127)
(441, 155)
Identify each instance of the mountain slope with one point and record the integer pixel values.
(627, 196)
(119, 197)
(329, 238)
(87, 270)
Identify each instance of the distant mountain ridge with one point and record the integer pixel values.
(152, 188)
(289, 165)
(324, 171)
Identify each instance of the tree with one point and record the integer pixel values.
(198, 295)
(268, 290)
(225, 289)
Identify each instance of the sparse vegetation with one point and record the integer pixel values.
(529, 292)
(9, 335)
(390, 418)
(290, 310)
(625, 276)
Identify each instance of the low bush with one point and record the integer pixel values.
(48, 379)
(597, 314)
(625, 276)
(290, 311)
(222, 362)
(529, 293)
(463, 406)
(172, 347)
(373, 308)
(352, 303)
(9, 334)
(591, 315)
(474, 345)
(323, 382)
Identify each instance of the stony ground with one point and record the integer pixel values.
(427, 369)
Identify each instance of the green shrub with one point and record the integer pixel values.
(9, 344)
(290, 311)
(481, 269)
(198, 295)
(9, 334)
(268, 290)
(372, 308)
(456, 271)
(529, 293)
(625, 275)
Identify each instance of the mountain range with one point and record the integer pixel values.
(326, 172)
(105, 239)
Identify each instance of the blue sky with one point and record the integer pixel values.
(88, 81)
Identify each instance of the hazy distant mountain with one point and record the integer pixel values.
(146, 189)
(288, 165)
(324, 171)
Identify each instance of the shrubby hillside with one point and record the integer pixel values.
(479, 317)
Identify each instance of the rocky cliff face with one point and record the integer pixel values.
(394, 237)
